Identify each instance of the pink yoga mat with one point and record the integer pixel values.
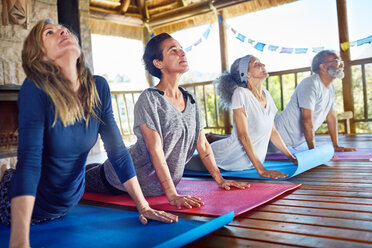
(217, 201)
(362, 154)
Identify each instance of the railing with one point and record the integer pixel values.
(362, 92)
(281, 86)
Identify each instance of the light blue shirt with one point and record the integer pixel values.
(311, 94)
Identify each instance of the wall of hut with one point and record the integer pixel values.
(13, 35)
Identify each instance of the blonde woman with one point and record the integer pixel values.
(62, 109)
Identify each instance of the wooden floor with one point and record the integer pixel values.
(332, 208)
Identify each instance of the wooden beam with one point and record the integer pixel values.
(181, 13)
(182, 3)
(143, 10)
(68, 14)
(115, 18)
(145, 38)
(124, 5)
(224, 66)
(347, 81)
(105, 4)
(165, 7)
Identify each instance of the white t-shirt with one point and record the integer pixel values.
(229, 152)
(311, 94)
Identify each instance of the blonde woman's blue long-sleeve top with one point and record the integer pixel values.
(51, 159)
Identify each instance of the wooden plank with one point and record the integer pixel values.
(331, 183)
(355, 215)
(334, 187)
(333, 193)
(293, 239)
(355, 176)
(324, 205)
(361, 225)
(223, 242)
(320, 198)
(334, 180)
(339, 233)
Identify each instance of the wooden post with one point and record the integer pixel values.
(347, 82)
(68, 14)
(224, 66)
(145, 38)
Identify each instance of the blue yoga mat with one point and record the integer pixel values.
(88, 226)
(306, 161)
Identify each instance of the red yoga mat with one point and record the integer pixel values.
(217, 201)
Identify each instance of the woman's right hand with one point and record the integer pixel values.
(187, 201)
(272, 174)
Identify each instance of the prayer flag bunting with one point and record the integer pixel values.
(345, 46)
(240, 37)
(198, 42)
(188, 49)
(317, 49)
(364, 40)
(250, 41)
(272, 48)
(206, 33)
(300, 50)
(286, 50)
(260, 46)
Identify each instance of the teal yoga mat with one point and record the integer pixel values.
(306, 161)
(88, 226)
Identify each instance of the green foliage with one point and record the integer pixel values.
(360, 113)
(274, 89)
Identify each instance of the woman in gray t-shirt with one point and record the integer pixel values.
(169, 126)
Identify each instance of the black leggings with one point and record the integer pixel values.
(96, 182)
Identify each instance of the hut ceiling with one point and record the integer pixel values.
(129, 18)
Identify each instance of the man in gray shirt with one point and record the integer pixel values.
(312, 103)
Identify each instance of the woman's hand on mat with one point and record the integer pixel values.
(272, 174)
(187, 201)
(344, 149)
(149, 213)
(226, 185)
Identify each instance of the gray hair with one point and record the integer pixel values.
(320, 58)
(229, 81)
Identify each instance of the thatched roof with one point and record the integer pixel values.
(129, 18)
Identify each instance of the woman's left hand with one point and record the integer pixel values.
(148, 213)
(226, 185)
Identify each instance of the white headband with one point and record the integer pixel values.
(243, 67)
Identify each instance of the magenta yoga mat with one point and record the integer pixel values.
(362, 154)
(217, 201)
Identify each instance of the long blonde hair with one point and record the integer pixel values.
(70, 107)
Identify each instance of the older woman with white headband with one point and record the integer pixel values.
(253, 113)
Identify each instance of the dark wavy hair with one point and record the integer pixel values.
(153, 51)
